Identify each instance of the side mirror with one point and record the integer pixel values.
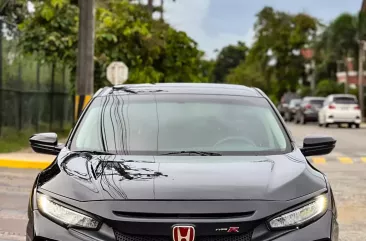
(318, 145)
(46, 143)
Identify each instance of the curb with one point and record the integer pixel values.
(24, 164)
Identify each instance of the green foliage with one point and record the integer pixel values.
(13, 11)
(274, 63)
(279, 38)
(247, 74)
(206, 68)
(153, 51)
(12, 140)
(51, 31)
(228, 58)
(274, 99)
(327, 87)
(304, 91)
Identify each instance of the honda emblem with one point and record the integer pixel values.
(183, 233)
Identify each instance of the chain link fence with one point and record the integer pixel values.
(33, 95)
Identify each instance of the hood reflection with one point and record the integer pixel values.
(108, 175)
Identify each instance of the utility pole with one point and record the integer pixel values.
(162, 10)
(361, 76)
(85, 58)
(313, 75)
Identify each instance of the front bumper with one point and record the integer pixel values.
(42, 229)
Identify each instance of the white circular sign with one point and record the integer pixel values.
(117, 73)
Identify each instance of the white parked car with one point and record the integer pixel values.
(340, 109)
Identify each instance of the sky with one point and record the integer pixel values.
(217, 23)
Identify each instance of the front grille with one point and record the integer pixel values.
(127, 237)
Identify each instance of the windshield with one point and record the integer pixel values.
(154, 125)
(317, 102)
(345, 100)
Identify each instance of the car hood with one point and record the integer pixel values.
(89, 178)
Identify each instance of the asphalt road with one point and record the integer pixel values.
(348, 180)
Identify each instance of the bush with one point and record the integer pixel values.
(304, 91)
(328, 87)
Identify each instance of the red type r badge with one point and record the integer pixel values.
(233, 230)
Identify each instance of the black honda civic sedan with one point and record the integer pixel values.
(181, 162)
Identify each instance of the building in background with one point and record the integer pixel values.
(349, 64)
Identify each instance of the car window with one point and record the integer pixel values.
(295, 102)
(317, 102)
(344, 100)
(287, 97)
(153, 125)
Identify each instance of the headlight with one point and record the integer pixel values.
(63, 215)
(303, 215)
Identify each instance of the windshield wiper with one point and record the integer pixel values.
(200, 153)
(95, 152)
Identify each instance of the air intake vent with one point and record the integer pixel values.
(183, 215)
(127, 237)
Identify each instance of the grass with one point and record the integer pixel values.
(12, 140)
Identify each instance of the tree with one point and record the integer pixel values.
(13, 12)
(152, 50)
(228, 58)
(337, 42)
(276, 51)
(247, 74)
(327, 87)
(51, 31)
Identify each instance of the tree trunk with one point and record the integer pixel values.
(162, 9)
(150, 5)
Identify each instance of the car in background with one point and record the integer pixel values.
(308, 109)
(340, 109)
(285, 101)
(290, 111)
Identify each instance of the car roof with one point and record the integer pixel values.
(343, 95)
(313, 98)
(181, 88)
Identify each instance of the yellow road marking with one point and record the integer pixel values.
(319, 160)
(363, 159)
(25, 164)
(345, 160)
